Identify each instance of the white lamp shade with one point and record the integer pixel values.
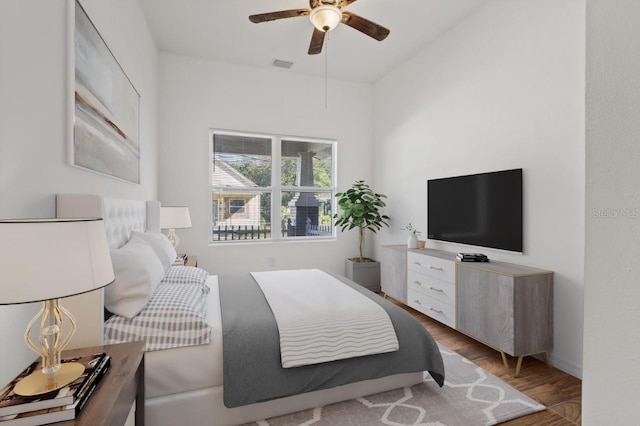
(326, 17)
(43, 259)
(175, 217)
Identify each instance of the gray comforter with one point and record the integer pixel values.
(251, 349)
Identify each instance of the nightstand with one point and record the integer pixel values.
(120, 387)
(191, 261)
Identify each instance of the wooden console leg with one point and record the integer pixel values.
(504, 360)
(518, 366)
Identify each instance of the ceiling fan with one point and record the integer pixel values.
(325, 16)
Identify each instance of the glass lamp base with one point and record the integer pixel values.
(173, 238)
(38, 382)
(53, 375)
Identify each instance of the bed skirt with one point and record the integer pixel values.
(205, 407)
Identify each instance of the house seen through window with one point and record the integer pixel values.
(271, 187)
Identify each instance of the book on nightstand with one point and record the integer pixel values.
(62, 412)
(12, 403)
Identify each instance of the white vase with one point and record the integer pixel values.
(412, 242)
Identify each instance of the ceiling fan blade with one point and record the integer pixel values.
(272, 16)
(340, 3)
(317, 40)
(345, 3)
(364, 26)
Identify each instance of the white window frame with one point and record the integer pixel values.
(276, 189)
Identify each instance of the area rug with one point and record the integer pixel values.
(470, 396)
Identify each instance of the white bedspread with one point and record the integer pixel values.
(321, 319)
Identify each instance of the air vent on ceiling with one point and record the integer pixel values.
(280, 63)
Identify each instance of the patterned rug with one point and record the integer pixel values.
(471, 396)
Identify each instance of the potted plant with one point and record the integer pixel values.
(413, 240)
(360, 208)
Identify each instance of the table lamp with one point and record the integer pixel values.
(172, 218)
(45, 260)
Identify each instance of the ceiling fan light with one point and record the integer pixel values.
(326, 17)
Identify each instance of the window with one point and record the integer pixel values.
(270, 187)
(236, 206)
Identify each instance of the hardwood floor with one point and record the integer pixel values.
(561, 393)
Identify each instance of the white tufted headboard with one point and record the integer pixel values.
(120, 216)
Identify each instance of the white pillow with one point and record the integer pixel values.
(138, 272)
(160, 245)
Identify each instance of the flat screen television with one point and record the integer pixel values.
(483, 209)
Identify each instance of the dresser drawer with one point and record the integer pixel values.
(432, 287)
(433, 308)
(441, 269)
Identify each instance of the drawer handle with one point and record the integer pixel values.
(417, 263)
(417, 282)
(436, 289)
(436, 311)
(435, 268)
(418, 302)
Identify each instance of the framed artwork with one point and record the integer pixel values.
(106, 127)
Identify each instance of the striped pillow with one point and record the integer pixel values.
(174, 317)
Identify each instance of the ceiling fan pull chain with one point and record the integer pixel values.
(326, 67)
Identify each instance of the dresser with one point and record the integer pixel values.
(431, 285)
(506, 306)
(393, 272)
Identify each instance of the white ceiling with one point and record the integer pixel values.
(220, 30)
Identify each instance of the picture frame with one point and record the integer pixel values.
(106, 112)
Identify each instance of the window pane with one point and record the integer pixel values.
(237, 206)
(240, 215)
(306, 214)
(241, 161)
(306, 164)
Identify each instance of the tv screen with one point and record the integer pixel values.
(482, 210)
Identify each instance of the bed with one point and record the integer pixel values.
(185, 385)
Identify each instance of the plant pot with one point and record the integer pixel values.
(367, 274)
(422, 244)
(412, 242)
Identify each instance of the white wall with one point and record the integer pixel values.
(612, 293)
(504, 89)
(34, 122)
(196, 95)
